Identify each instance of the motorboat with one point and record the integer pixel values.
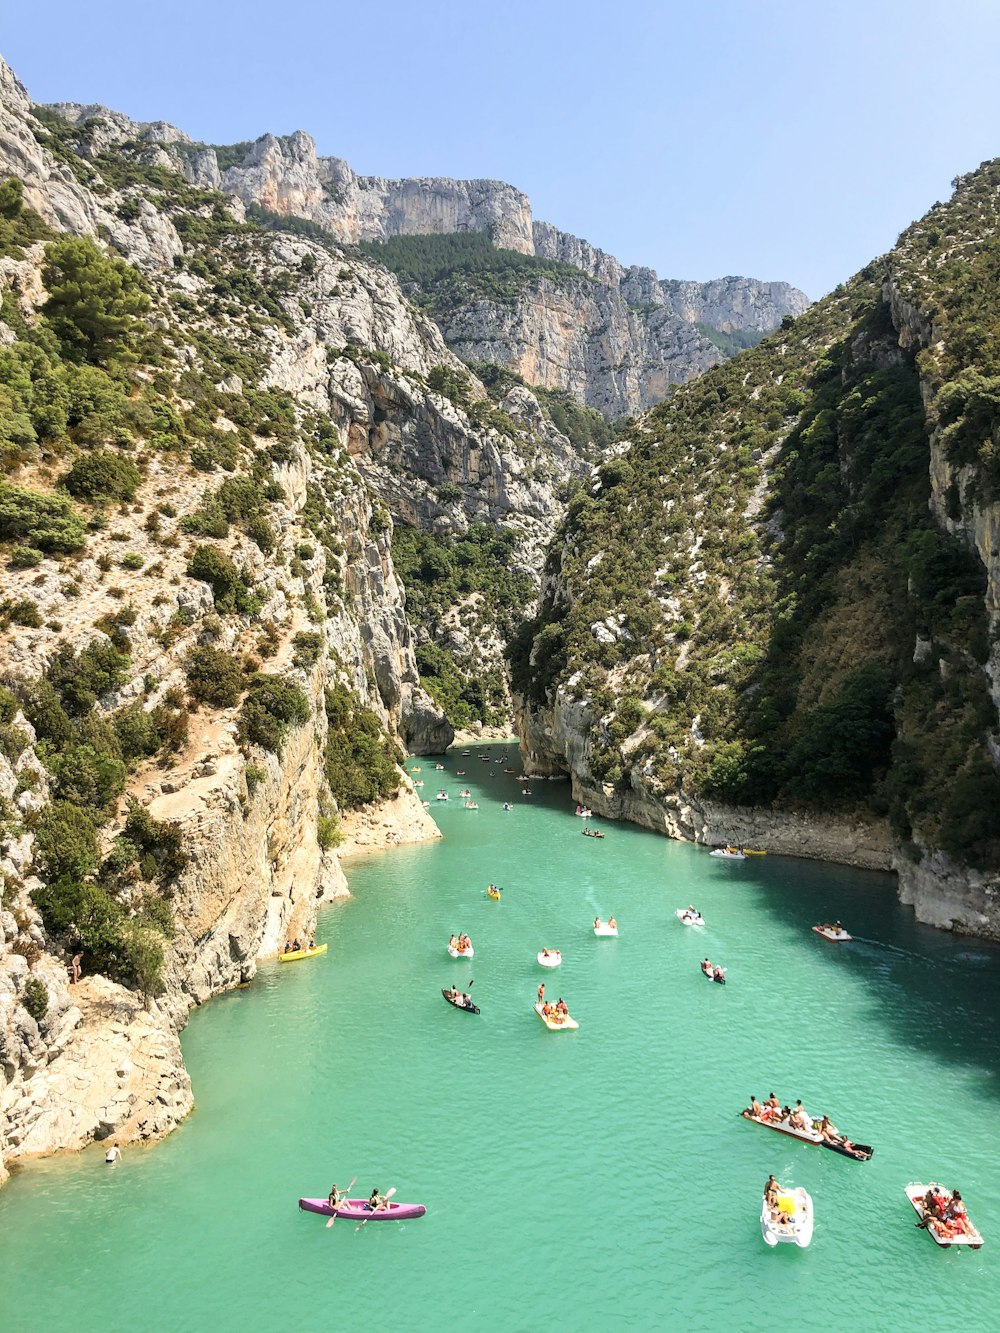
(791, 1220)
(941, 1231)
(441, 796)
(729, 854)
(687, 916)
(550, 957)
(836, 934)
(555, 1022)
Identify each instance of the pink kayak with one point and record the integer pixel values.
(358, 1210)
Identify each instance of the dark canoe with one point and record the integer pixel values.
(862, 1152)
(466, 1008)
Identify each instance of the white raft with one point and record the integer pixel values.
(797, 1206)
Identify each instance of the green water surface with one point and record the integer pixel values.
(593, 1180)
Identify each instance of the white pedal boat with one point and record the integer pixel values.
(550, 957)
(795, 1205)
(689, 918)
(461, 953)
(561, 1024)
(605, 928)
(785, 1127)
(729, 854)
(939, 1234)
(830, 933)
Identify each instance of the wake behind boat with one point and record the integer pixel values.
(358, 1210)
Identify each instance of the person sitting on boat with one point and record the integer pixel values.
(799, 1118)
(719, 974)
(771, 1191)
(312, 945)
(706, 967)
(755, 1108)
(547, 1010)
(597, 923)
(561, 1006)
(376, 1201)
(296, 946)
(773, 1102)
(453, 942)
(335, 1198)
(612, 923)
(956, 1215)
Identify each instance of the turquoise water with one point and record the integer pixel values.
(592, 1180)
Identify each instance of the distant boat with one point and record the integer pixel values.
(296, 955)
(556, 1022)
(729, 854)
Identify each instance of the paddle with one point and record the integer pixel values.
(345, 1195)
(386, 1197)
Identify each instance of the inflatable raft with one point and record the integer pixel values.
(358, 1210)
(298, 954)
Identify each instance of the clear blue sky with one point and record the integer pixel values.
(785, 139)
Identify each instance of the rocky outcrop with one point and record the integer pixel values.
(617, 342)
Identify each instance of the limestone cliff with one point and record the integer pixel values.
(618, 342)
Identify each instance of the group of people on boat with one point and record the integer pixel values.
(711, 970)
(836, 928)
(775, 1197)
(296, 946)
(592, 833)
(458, 997)
(691, 916)
(555, 1013)
(945, 1213)
(611, 923)
(583, 812)
(459, 943)
(798, 1118)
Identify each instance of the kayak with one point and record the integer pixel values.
(687, 918)
(461, 953)
(603, 928)
(296, 954)
(836, 936)
(460, 1001)
(550, 957)
(797, 1207)
(940, 1232)
(357, 1210)
(494, 894)
(861, 1152)
(555, 1023)
(728, 854)
(754, 851)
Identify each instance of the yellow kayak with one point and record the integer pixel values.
(301, 953)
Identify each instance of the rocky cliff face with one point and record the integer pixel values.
(310, 389)
(618, 342)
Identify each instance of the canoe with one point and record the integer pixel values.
(494, 894)
(563, 1024)
(728, 854)
(939, 1232)
(835, 936)
(795, 1205)
(357, 1210)
(552, 959)
(297, 954)
(461, 953)
(754, 851)
(686, 919)
(460, 1001)
(862, 1151)
(605, 929)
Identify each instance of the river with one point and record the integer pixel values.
(591, 1180)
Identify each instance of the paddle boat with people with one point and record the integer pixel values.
(358, 1210)
(729, 853)
(583, 812)
(465, 793)
(293, 955)
(549, 957)
(609, 927)
(798, 1124)
(556, 1017)
(459, 999)
(471, 805)
(942, 1215)
(786, 1215)
(460, 946)
(689, 916)
(835, 932)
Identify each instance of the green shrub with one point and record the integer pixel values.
(23, 612)
(94, 301)
(8, 706)
(46, 522)
(214, 677)
(137, 732)
(361, 762)
(163, 841)
(328, 832)
(81, 677)
(102, 475)
(306, 648)
(88, 779)
(35, 998)
(270, 708)
(228, 585)
(254, 775)
(133, 560)
(25, 557)
(65, 842)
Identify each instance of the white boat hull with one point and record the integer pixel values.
(797, 1206)
(915, 1192)
(686, 919)
(605, 929)
(462, 953)
(552, 959)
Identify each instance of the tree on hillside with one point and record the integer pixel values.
(94, 300)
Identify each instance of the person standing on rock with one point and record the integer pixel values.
(74, 969)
